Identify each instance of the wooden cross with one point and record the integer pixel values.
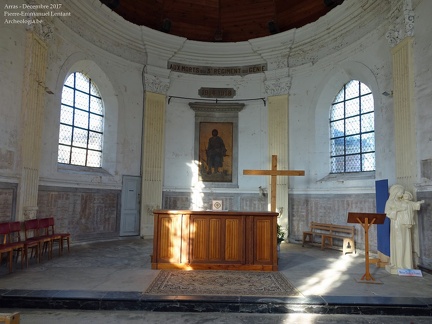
(274, 172)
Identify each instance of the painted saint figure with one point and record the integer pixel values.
(400, 209)
(215, 152)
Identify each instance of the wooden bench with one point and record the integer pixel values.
(328, 232)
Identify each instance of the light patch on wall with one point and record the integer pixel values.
(426, 169)
(6, 159)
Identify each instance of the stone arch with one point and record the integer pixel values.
(335, 80)
(79, 62)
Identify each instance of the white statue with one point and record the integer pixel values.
(400, 209)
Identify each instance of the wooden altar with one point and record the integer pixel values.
(218, 240)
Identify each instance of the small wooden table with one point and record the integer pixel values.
(219, 240)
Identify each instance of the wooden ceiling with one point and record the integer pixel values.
(221, 20)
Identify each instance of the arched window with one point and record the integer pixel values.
(81, 122)
(352, 132)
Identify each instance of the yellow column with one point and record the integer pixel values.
(33, 102)
(405, 123)
(278, 145)
(152, 159)
(404, 110)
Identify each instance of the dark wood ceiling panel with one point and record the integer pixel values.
(239, 20)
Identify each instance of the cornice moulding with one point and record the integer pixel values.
(217, 54)
(222, 107)
(95, 24)
(341, 27)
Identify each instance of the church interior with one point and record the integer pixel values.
(108, 108)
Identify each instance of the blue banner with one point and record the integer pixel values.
(383, 230)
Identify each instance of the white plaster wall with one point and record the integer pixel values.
(321, 56)
(12, 41)
(423, 85)
(367, 59)
(179, 146)
(120, 84)
(309, 120)
(349, 43)
(180, 165)
(321, 59)
(253, 146)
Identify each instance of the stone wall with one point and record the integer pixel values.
(88, 214)
(7, 202)
(425, 229)
(330, 208)
(230, 201)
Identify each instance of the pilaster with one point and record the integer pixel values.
(152, 159)
(33, 94)
(278, 145)
(401, 37)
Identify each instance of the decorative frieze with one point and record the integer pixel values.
(43, 29)
(402, 22)
(277, 86)
(278, 82)
(155, 84)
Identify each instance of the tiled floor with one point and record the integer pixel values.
(113, 275)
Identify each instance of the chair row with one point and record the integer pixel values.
(39, 237)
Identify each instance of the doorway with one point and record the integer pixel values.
(130, 206)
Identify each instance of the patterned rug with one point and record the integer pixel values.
(226, 283)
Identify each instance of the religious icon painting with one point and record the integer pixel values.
(215, 151)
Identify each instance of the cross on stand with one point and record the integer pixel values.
(274, 172)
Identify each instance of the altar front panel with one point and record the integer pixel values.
(214, 240)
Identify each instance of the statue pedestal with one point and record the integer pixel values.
(391, 269)
(381, 261)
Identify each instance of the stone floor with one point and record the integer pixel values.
(104, 277)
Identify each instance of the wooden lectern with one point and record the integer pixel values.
(366, 220)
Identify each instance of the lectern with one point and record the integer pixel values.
(366, 220)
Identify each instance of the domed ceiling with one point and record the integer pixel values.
(221, 20)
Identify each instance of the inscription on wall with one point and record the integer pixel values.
(216, 92)
(213, 70)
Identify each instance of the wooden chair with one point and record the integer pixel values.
(4, 247)
(64, 236)
(34, 240)
(7, 246)
(15, 238)
(46, 230)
